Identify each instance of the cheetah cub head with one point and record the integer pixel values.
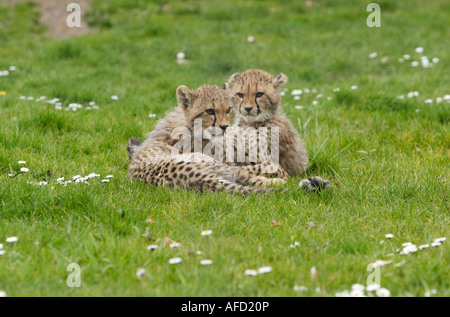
(257, 94)
(213, 105)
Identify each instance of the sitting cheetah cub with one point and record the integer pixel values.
(259, 105)
(158, 160)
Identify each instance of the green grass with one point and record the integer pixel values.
(388, 156)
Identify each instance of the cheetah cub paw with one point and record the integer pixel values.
(315, 184)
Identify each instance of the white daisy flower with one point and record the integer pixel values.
(152, 247)
(414, 63)
(423, 246)
(343, 294)
(206, 262)
(152, 115)
(400, 60)
(250, 39)
(140, 273)
(114, 97)
(294, 245)
(313, 272)
(297, 98)
(251, 272)
(435, 60)
(2, 294)
(419, 50)
(298, 107)
(439, 99)
(264, 269)
(383, 292)
(181, 55)
(12, 68)
(354, 87)
(306, 90)
(436, 244)
(372, 287)
(428, 100)
(12, 239)
(358, 287)
(357, 293)
(206, 232)
(109, 176)
(406, 57)
(175, 260)
(440, 239)
(300, 288)
(1, 246)
(2, 252)
(174, 245)
(105, 180)
(373, 55)
(24, 170)
(22, 162)
(336, 89)
(389, 236)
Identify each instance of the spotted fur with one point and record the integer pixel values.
(258, 99)
(152, 161)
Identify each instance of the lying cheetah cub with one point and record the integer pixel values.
(158, 161)
(259, 105)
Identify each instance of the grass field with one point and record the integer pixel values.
(388, 156)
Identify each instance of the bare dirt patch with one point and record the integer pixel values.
(54, 15)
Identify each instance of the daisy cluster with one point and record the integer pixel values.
(61, 180)
(6, 72)
(359, 290)
(415, 93)
(419, 58)
(8, 240)
(176, 260)
(59, 105)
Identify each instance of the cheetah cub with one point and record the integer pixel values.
(158, 159)
(259, 105)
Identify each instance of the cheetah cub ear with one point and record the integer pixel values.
(279, 80)
(225, 86)
(234, 78)
(184, 96)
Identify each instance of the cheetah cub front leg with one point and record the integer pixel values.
(314, 184)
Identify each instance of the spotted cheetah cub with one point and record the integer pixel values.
(259, 105)
(159, 160)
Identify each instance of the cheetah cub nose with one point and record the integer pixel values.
(224, 126)
(248, 109)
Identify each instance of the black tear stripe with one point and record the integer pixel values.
(215, 118)
(258, 109)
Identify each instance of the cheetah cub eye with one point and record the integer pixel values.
(240, 95)
(210, 111)
(259, 94)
